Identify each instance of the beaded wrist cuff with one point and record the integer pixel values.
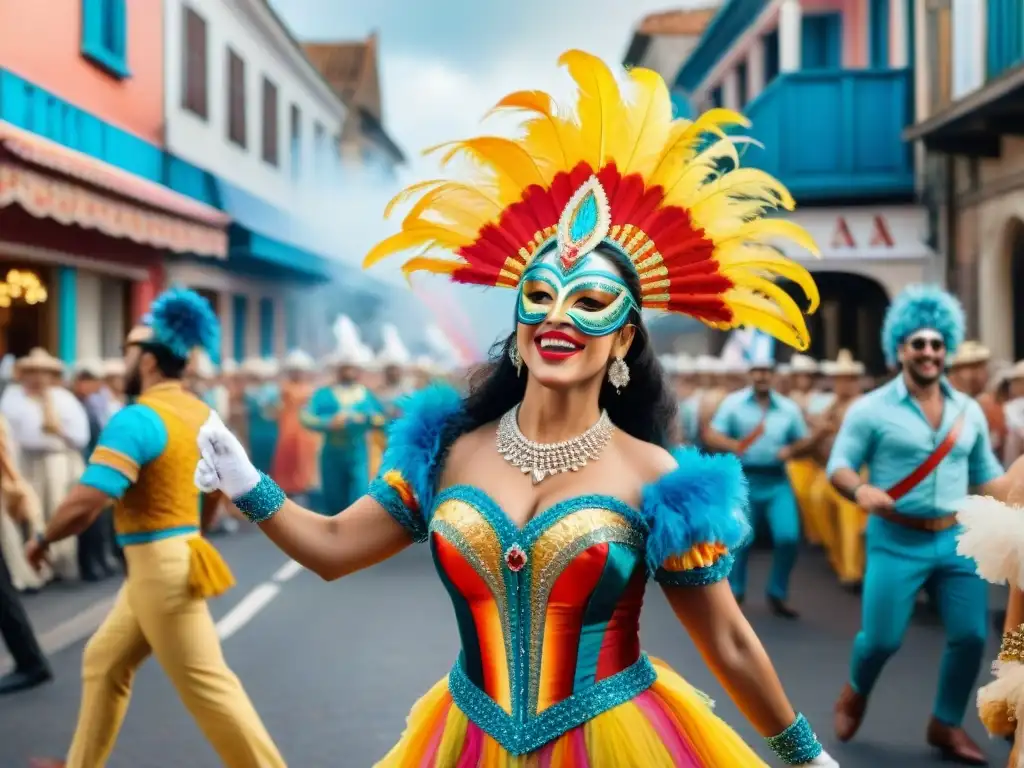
(797, 744)
(1012, 647)
(262, 502)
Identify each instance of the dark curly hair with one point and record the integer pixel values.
(646, 409)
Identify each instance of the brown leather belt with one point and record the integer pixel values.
(926, 524)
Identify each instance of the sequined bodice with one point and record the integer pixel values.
(548, 614)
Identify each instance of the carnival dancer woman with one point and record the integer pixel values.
(545, 495)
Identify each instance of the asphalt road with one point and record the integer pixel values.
(333, 669)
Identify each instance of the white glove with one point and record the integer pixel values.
(223, 465)
(825, 760)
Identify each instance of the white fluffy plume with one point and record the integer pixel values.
(993, 536)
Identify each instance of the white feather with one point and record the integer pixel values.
(393, 351)
(993, 536)
(349, 348)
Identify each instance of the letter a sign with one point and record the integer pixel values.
(880, 237)
(842, 238)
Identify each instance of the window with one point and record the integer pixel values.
(296, 143)
(716, 97)
(742, 92)
(1005, 35)
(938, 48)
(236, 99)
(193, 88)
(270, 142)
(318, 147)
(105, 35)
(771, 56)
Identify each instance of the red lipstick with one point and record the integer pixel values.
(555, 346)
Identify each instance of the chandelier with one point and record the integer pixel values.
(21, 285)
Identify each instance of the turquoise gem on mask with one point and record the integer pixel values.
(584, 219)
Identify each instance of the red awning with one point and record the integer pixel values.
(115, 202)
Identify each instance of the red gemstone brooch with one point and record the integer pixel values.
(515, 558)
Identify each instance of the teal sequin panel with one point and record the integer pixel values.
(797, 744)
(584, 220)
(392, 502)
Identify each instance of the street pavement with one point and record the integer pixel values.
(334, 668)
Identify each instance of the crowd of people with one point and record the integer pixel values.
(51, 417)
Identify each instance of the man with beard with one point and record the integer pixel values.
(144, 464)
(346, 413)
(924, 444)
(765, 430)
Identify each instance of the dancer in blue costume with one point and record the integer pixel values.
(262, 403)
(924, 444)
(765, 429)
(346, 412)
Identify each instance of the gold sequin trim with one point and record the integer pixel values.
(1012, 647)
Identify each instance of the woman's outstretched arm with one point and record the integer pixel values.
(359, 536)
(732, 650)
(362, 535)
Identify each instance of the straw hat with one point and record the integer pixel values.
(799, 363)
(1016, 371)
(970, 353)
(114, 367)
(843, 365)
(783, 369)
(229, 367)
(685, 365)
(40, 360)
(251, 366)
(91, 367)
(298, 361)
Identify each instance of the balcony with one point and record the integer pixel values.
(835, 135)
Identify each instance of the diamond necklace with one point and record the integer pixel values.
(541, 460)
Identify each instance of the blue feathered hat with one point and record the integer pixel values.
(180, 320)
(918, 307)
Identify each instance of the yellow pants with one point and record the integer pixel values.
(155, 613)
(802, 476)
(842, 528)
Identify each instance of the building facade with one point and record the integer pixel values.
(828, 86)
(353, 71)
(663, 41)
(254, 129)
(970, 101)
(85, 222)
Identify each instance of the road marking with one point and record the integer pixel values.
(288, 571)
(246, 610)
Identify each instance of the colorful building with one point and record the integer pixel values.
(352, 69)
(970, 102)
(254, 129)
(85, 222)
(829, 88)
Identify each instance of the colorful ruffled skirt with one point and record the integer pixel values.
(670, 725)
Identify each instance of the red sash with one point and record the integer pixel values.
(911, 481)
(755, 433)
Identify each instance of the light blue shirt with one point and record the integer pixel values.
(137, 432)
(740, 413)
(688, 416)
(820, 402)
(887, 431)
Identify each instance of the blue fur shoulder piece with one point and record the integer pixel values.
(922, 306)
(702, 501)
(415, 438)
(182, 320)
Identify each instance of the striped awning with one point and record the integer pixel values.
(52, 181)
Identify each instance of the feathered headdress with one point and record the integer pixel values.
(627, 175)
(917, 307)
(182, 321)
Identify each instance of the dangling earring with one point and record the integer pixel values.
(618, 374)
(517, 360)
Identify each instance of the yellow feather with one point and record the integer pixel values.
(684, 138)
(764, 230)
(459, 204)
(436, 266)
(747, 182)
(427, 234)
(599, 106)
(773, 291)
(648, 122)
(515, 168)
(408, 192)
(767, 259)
(530, 101)
(750, 309)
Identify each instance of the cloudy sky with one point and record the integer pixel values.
(444, 63)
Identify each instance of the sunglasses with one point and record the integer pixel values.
(920, 345)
